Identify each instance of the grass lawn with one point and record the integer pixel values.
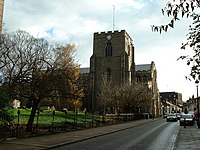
(46, 117)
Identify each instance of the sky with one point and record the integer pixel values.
(75, 21)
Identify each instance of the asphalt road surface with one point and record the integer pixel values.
(158, 135)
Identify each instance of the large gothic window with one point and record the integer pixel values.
(108, 49)
(138, 79)
(144, 78)
(108, 75)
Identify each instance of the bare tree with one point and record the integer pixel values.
(142, 96)
(129, 97)
(105, 94)
(34, 70)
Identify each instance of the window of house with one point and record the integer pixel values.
(108, 49)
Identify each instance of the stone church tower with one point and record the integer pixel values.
(112, 61)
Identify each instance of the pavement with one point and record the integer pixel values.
(187, 138)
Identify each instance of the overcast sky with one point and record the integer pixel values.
(75, 21)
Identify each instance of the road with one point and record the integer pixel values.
(158, 135)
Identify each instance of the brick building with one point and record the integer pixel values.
(172, 102)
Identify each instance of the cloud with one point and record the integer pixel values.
(76, 21)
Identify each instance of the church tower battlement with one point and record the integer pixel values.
(119, 39)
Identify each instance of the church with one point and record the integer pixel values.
(113, 60)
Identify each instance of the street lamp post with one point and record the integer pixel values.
(197, 86)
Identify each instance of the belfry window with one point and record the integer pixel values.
(108, 49)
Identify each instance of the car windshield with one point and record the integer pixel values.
(171, 115)
(187, 116)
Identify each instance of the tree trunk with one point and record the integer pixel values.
(32, 116)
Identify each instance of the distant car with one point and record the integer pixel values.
(187, 120)
(178, 115)
(171, 117)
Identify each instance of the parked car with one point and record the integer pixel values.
(171, 117)
(187, 120)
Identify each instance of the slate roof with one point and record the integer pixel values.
(84, 70)
(143, 67)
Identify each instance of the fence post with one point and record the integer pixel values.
(18, 116)
(53, 113)
(92, 118)
(18, 113)
(99, 119)
(66, 116)
(53, 119)
(53, 116)
(76, 118)
(85, 119)
(103, 119)
(38, 113)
